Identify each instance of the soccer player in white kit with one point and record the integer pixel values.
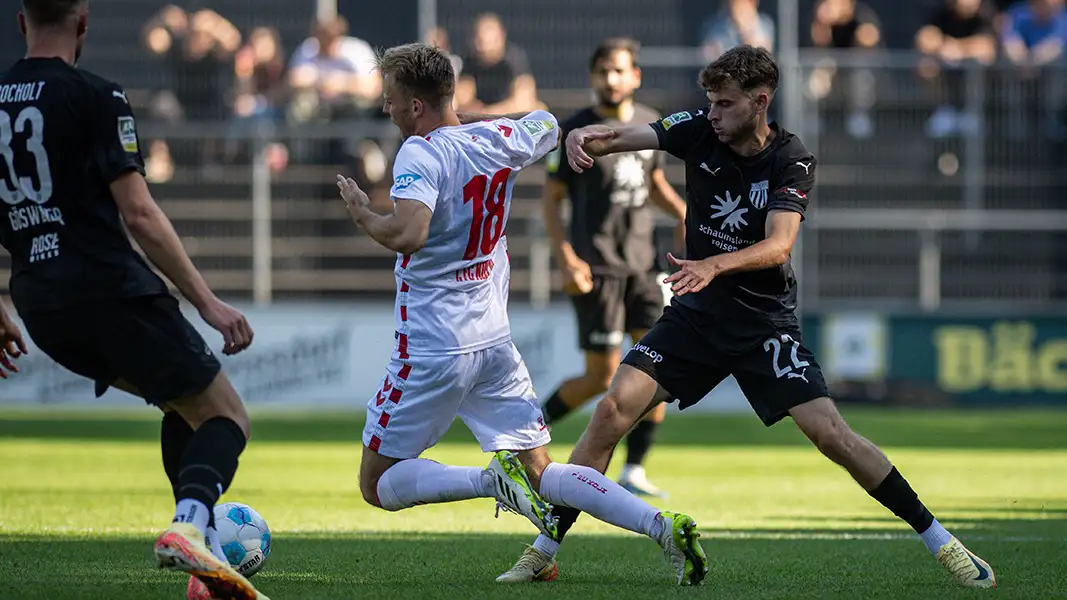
(453, 354)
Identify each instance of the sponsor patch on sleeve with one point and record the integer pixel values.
(128, 134)
(534, 127)
(403, 182)
(676, 118)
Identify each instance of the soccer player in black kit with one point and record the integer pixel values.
(608, 264)
(747, 186)
(72, 174)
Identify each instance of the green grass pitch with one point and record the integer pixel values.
(82, 496)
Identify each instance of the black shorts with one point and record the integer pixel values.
(688, 354)
(145, 341)
(616, 306)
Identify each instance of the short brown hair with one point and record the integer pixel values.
(615, 44)
(50, 12)
(750, 67)
(422, 70)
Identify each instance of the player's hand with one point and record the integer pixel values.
(351, 194)
(236, 333)
(577, 278)
(582, 141)
(11, 346)
(691, 276)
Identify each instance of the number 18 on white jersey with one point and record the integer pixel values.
(452, 294)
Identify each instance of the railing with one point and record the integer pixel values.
(902, 219)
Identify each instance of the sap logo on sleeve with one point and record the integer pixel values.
(675, 119)
(128, 134)
(403, 182)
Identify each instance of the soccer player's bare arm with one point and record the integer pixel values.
(773, 251)
(599, 140)
(467, 118)
(155, 234)
(404, 230)
(12, 345)
(664, 196)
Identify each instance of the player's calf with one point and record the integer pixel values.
(826, 428)
(632, 394)
(209, 462)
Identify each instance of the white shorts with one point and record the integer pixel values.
(421, 396)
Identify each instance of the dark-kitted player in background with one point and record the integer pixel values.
(71, 174)
(747, 186)
(608, 263)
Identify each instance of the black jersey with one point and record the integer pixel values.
(728, 198)
(612, 224)
(65, 135)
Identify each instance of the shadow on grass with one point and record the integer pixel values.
(815, 563)
(960, 430)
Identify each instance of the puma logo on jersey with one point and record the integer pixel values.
(120, 96)
(800, 375)
(807, 167)
(708, 169)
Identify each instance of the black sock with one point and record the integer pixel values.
(639, 441)
(174, 436)
(210, 461)
(555, 409)
(895, 494)
(567, 517)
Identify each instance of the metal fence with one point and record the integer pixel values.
(934, 193)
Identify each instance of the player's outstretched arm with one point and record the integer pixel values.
(598, 140)
(156, 236)
(468, 117)
(404, 230)
(694, 275)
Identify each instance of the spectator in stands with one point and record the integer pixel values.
(496, 76)
(259, 92)
(1034, 36)
(332, 77)
(259, 69)
(957, 33)
(199, 47)
(847, 24)
(737, 23)
(438, 37)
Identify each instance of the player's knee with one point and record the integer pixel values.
(833, 437)
(609, 418)
(368, 486)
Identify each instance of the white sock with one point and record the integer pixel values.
(192, 511)
(546, 546)
(935, 536)
(632, 472)
(420, 481)
(591, 492)
(212, 539)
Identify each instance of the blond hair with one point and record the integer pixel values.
(423, 71)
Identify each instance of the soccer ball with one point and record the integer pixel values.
(244, 536)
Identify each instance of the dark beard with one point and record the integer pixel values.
(607, 103)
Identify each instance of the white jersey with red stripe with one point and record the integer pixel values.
(452, 294)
